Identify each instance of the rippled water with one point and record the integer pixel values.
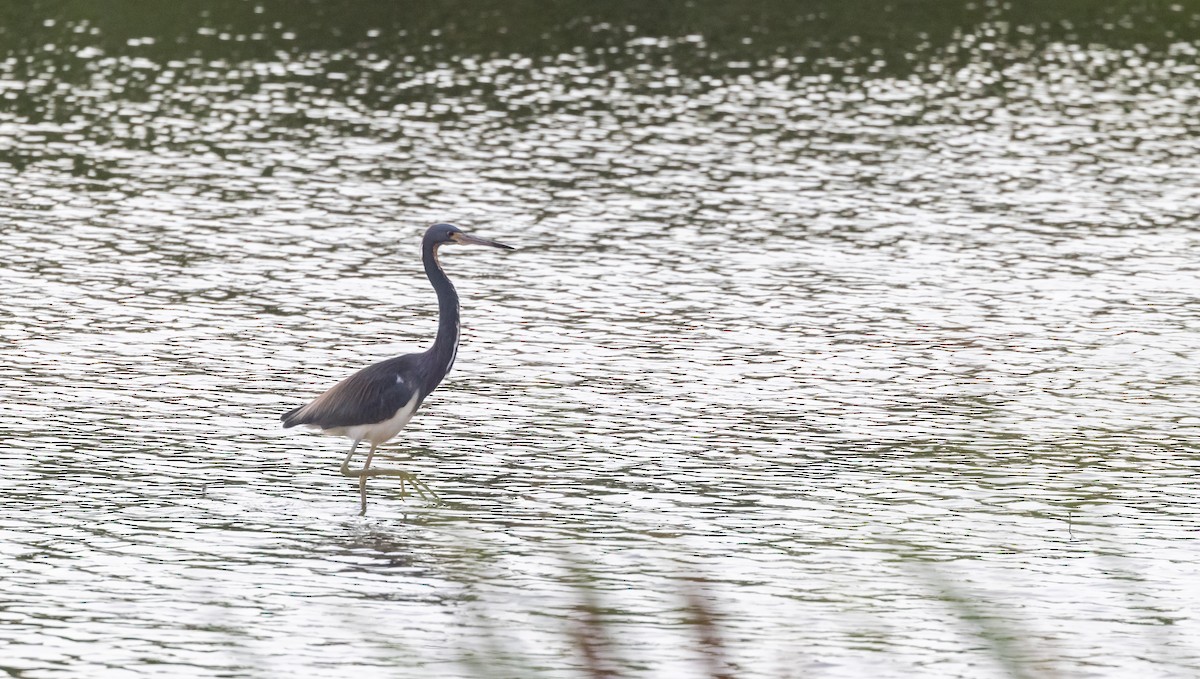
(885, 355)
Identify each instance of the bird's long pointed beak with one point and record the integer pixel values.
(466, 239)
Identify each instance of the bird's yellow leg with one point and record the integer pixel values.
(363, 474)
(418, 485)
(362, 480)
(346, 462)
(360, 473)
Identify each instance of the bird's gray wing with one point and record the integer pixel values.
(370, 395)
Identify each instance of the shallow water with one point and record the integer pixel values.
(881, 348)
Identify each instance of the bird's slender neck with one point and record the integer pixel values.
(445, 346)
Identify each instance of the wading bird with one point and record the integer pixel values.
(376, 402)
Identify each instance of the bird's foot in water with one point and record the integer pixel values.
(418, 485)
(421, 487)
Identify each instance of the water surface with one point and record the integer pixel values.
(872, 336)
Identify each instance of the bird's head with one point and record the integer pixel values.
(449, 234)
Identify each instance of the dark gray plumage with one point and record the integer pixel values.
(369, 396)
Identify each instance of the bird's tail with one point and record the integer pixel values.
(292, 418)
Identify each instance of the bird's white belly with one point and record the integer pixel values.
(379, 432)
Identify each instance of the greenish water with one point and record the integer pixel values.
(866, 330)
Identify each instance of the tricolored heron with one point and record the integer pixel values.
(376, 402)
